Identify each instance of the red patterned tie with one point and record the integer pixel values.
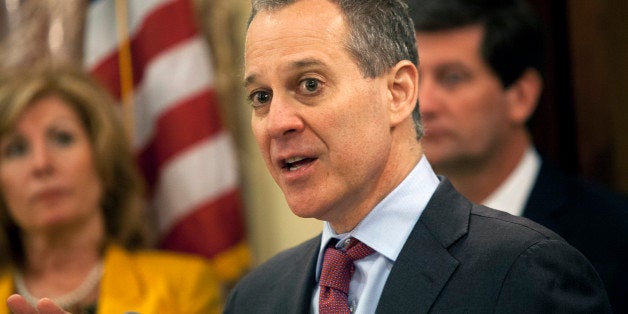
(336, 274)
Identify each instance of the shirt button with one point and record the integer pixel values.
(347, 243)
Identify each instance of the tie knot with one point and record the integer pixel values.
(357, 250)
(338, 266)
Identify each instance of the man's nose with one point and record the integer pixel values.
(284, 117)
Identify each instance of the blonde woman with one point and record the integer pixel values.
(71, 222)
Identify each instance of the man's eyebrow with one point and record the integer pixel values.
(249, 80)
(304, 63)
(451, 64)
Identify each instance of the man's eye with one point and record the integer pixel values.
(310, 86)
(260, 98)
(452, 78)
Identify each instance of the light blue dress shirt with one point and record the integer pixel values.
(385, 229)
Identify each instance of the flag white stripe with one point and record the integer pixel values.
(101, 36)
(202, 173)
(100, 32)
(174, 75)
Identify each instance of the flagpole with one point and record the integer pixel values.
(125, 65)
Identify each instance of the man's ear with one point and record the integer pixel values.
(523, 96)
(403, 84)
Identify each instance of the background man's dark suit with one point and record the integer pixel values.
(592, 219)
(451, 261)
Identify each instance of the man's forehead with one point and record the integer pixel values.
(301, 35)
(296, 65)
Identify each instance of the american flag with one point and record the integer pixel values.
(152, 57)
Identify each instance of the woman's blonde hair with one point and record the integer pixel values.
(122, 202)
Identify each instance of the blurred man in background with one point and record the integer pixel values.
(481, 79)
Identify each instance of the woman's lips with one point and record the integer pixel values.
(50, 194)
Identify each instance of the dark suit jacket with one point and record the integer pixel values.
(460, 257)
(592, 219)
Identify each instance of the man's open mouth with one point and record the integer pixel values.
(294, 163)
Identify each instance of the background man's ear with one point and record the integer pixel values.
(523, 95)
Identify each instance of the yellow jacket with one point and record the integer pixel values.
(148, 282)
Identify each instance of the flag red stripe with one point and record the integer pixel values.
(210, 228)
(108, 74)
(189, 122)
(162, 29)
(165, 27)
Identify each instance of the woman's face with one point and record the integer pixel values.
(47, 174)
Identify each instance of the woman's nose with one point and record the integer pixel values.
(41, 159)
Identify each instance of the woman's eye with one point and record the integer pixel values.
(63, 138)
(15, 149)
(260, 98)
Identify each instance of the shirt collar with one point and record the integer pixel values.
(388, 225)
(511, 196)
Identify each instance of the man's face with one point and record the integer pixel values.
(322, 127)
(462, 102)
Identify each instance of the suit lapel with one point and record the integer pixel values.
(545, 204)
(424, 265)
(300, 292)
